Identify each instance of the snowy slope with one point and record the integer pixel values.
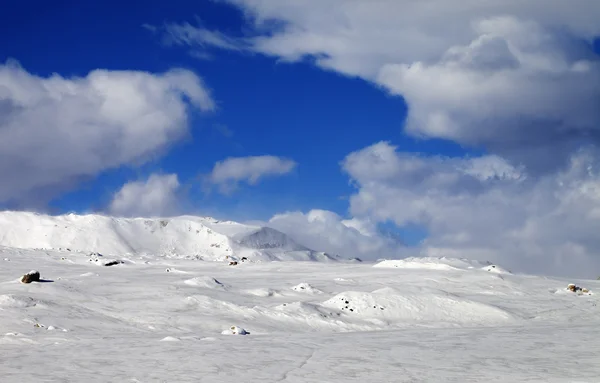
(268, 238)
(158, 319)
(161, 315)
(185, 237)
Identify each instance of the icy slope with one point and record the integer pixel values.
(186, 237)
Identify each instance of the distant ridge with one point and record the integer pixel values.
(180, 237)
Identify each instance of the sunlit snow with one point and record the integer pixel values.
(165, 316)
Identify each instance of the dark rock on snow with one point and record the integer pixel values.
(32, 276)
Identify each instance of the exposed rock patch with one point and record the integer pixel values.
(32, 276)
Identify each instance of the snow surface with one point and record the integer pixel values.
(179, 237)
(139, 322)
(432, 263)
(158, 318)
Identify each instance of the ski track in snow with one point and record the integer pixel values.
(139, 322)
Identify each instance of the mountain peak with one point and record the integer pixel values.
(269, 238)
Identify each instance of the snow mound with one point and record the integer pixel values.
(54, 328)
(207, 282)
(15, 301)
(49, 328)
(567, 291)
(423, 307)
(268, 255)
(345, 281)
(578, 289)
(235, 330)
(170, 339)
(263, 292)
(433, 263)
(314, 316)
(306, 288)
(175, 271)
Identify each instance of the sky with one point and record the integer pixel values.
(376, 129)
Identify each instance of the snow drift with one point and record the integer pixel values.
(421, 307)
(440, 264)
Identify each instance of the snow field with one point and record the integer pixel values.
(164, 319)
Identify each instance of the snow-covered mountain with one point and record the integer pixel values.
(180, 237)
(269, 238)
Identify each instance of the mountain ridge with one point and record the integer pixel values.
(187, 236)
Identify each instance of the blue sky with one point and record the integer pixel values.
(298, 111)
(450, 123)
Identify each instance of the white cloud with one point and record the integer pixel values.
(231, 171)
(326, 231)
(55, 131)
(505, 93)
(515, 78)
(157, 196)
(187, 34)
(512, 76)
(547, 224)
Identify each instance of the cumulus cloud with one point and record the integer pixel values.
(515, 77)
(227, 174)
(326, 231)
(156, 196)
(482, 208)
(55, 131)
(506, 93)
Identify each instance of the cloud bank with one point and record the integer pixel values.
(483, 208)
(326, 231)
(55, 131)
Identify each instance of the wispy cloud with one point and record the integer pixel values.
(227, 174)
(186, 34)
(150, 27)
(224, 130)
(198, 39)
